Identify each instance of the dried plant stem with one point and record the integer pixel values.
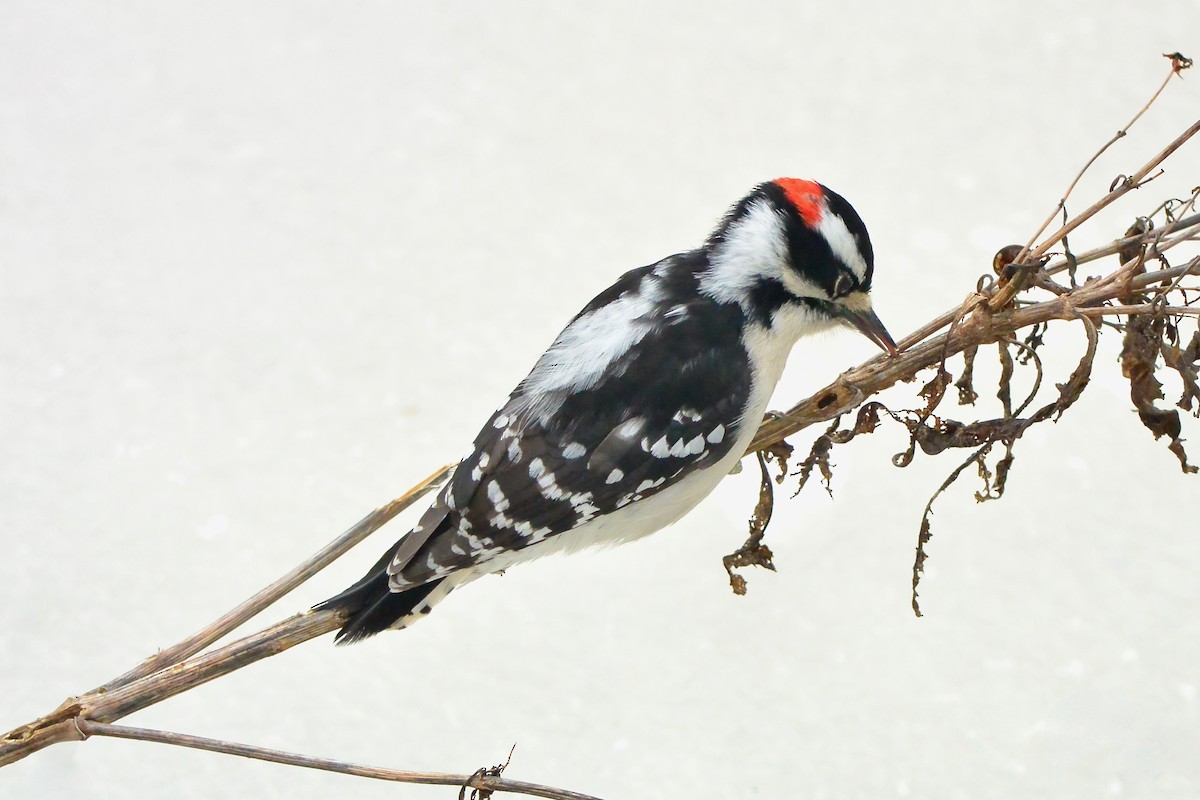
(1182, 230)
(62, 724)
(169, 673)
(260, 601)
(1007, 292)
(482, 780)
(1145, 308)
(1062, 203)
(1127, 185)
(91, 715)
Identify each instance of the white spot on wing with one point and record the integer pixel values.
(659, 449)
(629, 429)
(549, 487)
(587, 513)
(614, 476)
(536, 468)
(649, 484)
(717, 435)
(574, 450)
(499, 501)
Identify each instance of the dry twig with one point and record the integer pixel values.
(483, 781)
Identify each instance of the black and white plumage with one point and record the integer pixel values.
(642, 404)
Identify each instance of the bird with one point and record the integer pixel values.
(647, 398)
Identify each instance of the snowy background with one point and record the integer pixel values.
(264, 266)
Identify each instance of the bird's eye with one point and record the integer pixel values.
(843, 285)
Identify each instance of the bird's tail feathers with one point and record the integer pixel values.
(372, 606)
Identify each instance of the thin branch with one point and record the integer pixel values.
(1127, 185)
(1007, 292)
(1062, 204)
(1164, 275)
(481, 779)
(1183, 230)
(1144, 308)
(252, 606)
(62, 724)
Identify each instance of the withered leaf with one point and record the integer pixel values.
(1004, 390)
(919, 561)
(966, 389)
(933, 392)
(1184, 361)
(780, 452)
(1139, 362)
(949, 433)
(818, 458)
(1137, 248)
(1034, 340)
(754, 552)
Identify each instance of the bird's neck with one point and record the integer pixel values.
(769, 343)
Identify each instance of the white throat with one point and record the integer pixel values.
(769, 349)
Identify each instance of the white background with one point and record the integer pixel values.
(263, 267)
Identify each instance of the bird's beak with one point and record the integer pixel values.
(858, 312)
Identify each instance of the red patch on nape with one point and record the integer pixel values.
(806, 196)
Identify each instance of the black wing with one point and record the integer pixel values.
(574, 442)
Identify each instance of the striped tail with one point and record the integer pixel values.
(374, 607)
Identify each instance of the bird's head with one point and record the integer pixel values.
(793, 242)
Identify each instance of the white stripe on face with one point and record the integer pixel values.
(842, 243)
